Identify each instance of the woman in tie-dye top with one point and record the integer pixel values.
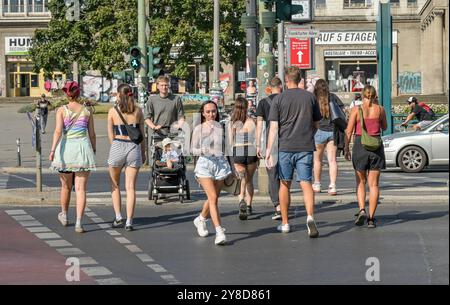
(73, 152)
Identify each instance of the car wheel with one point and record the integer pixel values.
(412, 159)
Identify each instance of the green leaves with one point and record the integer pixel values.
(100, 40)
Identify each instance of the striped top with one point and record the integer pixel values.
(80, 127)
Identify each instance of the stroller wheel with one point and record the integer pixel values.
(181, 198)
(188, 191)
(155, 200)
(150, 189)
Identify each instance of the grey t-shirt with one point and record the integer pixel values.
(164, 111)
(295, 110)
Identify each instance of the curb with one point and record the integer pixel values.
(50, 196)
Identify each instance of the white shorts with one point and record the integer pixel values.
(216, 168)
(423, 124)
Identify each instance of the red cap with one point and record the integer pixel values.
(71, 89)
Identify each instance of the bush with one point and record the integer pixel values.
(437, 108)
(56, 103)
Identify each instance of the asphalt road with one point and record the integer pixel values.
(409, 246)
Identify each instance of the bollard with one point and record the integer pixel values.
(19, 159)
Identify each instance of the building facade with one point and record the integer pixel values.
(18, 21)
(344, 53)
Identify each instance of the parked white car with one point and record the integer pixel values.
(412, 151)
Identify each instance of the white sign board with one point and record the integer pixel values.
(302, 33)
(349, 53)
(356, 37)
(18, 45)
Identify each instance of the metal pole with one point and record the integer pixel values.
(19, 159)
(252, 40)
(281, 59)
(142, 43)
(216, 52)
(38, 157)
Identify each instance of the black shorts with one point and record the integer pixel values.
(244, 155)
(364, 159)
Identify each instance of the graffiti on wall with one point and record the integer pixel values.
(410, 82)
(98, 88)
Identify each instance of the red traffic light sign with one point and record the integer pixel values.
(300, 53)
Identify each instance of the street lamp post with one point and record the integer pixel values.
(216, 91)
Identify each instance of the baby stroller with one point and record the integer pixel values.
(165, 180)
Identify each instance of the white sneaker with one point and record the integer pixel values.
(316, 187)
(284, 228)
(312, 228)
(201, 227)
(62, 217)
(332, 190)
(221, 239)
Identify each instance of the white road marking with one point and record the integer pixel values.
(23, 217)
(58, 243)
(15, 212)
(113, 232)
(123, 240)
(32, 223)
(70, 251)
(111, 281)
(47, 235)
(157, 268)
(145, 258)
(38, 229)
(91, 214)
(96, 271)
(87, 261)
(133, 248)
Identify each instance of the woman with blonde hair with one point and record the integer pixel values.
(125, 153)
(72, 152)
(367, 161)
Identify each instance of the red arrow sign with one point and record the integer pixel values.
(300, 50)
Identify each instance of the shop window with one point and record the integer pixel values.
(412, 3)
(357, 3)
(321, 3)
(26, 67)
(351, 75)
(395, 3)
(34, 80)
(12, 67)
(37, 6)
(13, 6)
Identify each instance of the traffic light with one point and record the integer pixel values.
(135, 58)
(285, 9)
(155, 62)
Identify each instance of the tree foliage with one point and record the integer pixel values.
(98, 41)
(187, 27)
(101, 39)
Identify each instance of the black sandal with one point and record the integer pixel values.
(371, 223)
(360, 217)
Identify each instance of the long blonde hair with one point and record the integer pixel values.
(370, 93)
(322, 94)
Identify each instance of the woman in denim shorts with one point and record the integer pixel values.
(211, 169)
(324, 139)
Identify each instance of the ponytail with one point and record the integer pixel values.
(126, 99)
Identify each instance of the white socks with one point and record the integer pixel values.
(118, 216)
(129, 222)
(310, 218)
(201, 217)
(78, 222)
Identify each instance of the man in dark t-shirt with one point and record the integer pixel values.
(424, 117)
(262, 116)
(294, 116)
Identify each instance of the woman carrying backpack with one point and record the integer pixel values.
(368, 153)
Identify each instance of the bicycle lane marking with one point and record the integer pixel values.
(143, 257)
(24, 253)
